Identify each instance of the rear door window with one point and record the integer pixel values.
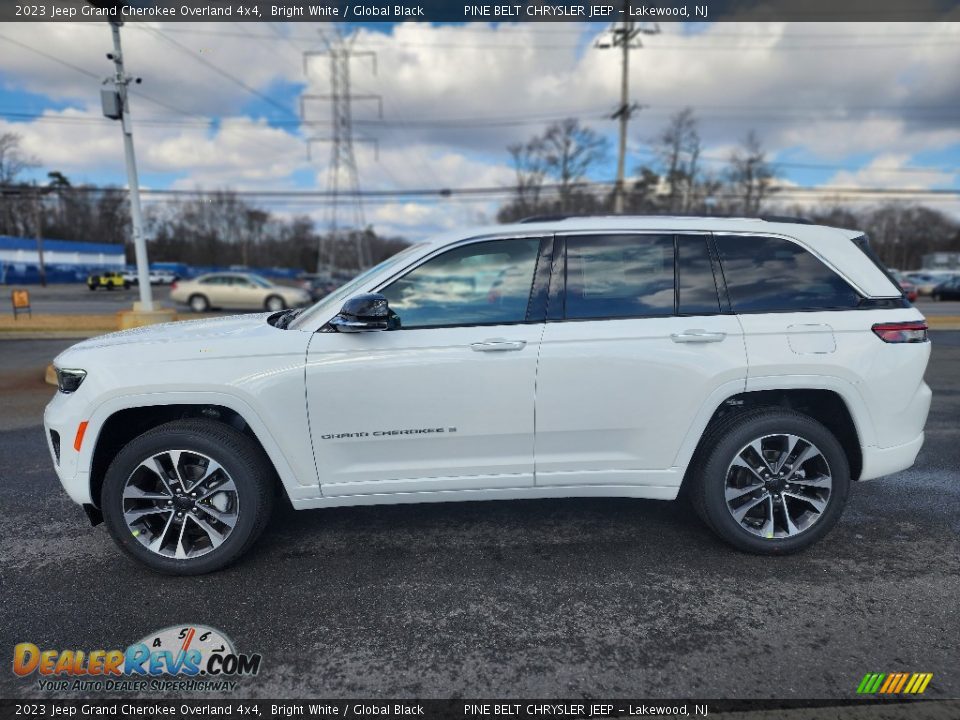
(619, 276)
(767, 274)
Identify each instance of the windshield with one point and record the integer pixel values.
(343, 291)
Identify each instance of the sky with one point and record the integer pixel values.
(873, 105)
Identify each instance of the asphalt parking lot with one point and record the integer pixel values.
(567, 598)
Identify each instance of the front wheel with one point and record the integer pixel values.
(188, 497)
(770, 481)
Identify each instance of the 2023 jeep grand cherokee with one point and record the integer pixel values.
(760, 366)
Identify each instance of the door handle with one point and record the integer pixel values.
(498, 345)
(697, 336)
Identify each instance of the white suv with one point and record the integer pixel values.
(759, 366)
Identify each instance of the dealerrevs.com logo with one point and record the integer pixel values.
(179, 658)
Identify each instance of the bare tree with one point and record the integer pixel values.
(750, 174)
(678, 150)
(17, 201)
(13, 161)
(530, 168)
(565, 153)
(570, 151)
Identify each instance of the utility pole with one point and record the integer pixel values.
(38, 233)
(342, 172)
(116, 106)
(626, 37)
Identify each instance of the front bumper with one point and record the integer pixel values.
(63, 415)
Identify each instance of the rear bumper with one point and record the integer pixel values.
(878, 462)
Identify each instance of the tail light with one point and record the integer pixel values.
(901, 332)
(173, 285)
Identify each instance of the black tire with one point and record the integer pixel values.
(126, 286)
(198, 303)
(274, 303)
(92, 287)
(723, 442)
(242, 459)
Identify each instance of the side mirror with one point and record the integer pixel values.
(363, 313)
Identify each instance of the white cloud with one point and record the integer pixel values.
(891, 169)
(826, 92)
(239, 153)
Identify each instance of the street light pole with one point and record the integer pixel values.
(121, 81)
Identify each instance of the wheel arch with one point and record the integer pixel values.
(826, 406)
(122, 424)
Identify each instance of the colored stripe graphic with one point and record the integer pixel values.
(894, 683)
(899, 686)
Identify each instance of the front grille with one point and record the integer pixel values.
(55, 441)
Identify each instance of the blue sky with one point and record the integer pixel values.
(868, 105)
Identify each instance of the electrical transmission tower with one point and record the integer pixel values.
(626, 37)
(345, 220)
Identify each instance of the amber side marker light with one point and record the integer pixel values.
(901, 332)
(78, 440)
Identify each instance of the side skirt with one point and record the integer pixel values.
(651, 492)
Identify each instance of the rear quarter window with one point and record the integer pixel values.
(767, 274)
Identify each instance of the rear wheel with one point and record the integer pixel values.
(199, 303)
(275, 303)
(770, 481)
(188, 497)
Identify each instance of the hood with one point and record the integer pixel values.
(174, 332)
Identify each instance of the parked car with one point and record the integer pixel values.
(925, 282)
(108, 279)
(909, 289)
(237, 291)
(620, 357)
(319, 286)
(949, 290)
(157, 277)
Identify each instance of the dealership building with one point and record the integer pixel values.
(64, 260)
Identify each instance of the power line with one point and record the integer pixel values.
(634, 149)
(495, 191)
(77, 68)
(220, 71)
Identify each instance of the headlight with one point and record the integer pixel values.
(69, 380)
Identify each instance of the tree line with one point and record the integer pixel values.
(552, 171)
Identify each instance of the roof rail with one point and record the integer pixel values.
(765, 218)
(547, 218)
(787, 219)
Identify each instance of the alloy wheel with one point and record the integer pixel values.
(778, 486)
(180, 504)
